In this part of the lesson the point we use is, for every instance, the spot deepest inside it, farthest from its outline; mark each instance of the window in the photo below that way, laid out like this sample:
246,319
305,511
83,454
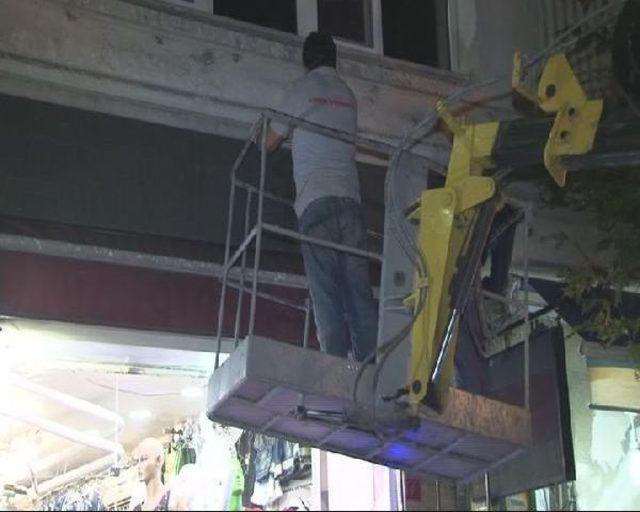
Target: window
346,19
416,31
276,14
354,23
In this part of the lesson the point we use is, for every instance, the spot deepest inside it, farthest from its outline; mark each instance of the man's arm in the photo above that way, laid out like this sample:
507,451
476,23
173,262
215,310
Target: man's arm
273,140
292,104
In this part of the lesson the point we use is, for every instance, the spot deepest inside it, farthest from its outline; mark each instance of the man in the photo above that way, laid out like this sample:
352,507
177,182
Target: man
149,455
328,201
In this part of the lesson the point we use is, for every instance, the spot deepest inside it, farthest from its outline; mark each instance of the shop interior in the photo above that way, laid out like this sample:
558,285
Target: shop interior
82,422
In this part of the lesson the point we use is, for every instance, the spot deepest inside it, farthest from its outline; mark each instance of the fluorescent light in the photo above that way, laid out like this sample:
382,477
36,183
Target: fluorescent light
140,415
192,392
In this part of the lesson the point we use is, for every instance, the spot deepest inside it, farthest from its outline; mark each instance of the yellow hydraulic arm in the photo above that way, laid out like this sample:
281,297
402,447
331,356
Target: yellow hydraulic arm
577,117
449,216
446,217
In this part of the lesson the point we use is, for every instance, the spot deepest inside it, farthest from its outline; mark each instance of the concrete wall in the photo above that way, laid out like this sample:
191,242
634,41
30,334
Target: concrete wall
486,33
193,75
207,74
153,61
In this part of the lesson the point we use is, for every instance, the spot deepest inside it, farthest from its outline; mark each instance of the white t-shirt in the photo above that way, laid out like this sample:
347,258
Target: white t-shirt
322,166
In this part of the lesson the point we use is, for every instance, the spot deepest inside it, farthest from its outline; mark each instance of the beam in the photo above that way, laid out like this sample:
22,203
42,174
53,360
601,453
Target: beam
100,254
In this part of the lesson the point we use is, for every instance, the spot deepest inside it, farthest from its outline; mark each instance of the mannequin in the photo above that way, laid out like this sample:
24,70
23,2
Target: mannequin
149,455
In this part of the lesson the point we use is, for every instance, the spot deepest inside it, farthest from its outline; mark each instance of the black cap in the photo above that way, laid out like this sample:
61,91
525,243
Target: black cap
319,50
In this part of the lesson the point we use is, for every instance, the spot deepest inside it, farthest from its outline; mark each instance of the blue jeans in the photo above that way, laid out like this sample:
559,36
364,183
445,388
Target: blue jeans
338,282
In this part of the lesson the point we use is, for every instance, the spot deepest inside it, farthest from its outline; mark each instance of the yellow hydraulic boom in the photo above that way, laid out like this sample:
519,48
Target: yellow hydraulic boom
454,220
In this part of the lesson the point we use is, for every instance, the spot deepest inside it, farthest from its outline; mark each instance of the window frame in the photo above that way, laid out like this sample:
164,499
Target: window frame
307,21
307,12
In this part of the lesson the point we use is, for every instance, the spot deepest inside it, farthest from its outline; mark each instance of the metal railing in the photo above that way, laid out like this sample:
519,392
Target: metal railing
253,235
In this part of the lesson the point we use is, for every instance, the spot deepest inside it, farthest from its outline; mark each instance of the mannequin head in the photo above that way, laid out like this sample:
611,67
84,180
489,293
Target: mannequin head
149,455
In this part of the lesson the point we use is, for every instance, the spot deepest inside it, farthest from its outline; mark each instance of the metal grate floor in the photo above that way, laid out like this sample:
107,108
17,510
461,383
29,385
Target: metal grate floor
262,384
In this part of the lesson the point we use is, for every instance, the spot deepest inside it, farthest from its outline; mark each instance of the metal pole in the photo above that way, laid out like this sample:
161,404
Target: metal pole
487,490
247,214
500,298
438,504
223,298
240,251
363,142
258,249
527,319
116,434
307,323
319,241
227,248
271,298
267,195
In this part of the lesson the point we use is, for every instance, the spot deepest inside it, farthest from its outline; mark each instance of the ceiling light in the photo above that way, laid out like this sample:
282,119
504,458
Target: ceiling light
140,415
192,392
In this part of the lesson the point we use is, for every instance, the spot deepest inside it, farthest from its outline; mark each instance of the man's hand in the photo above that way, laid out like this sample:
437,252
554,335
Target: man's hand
273,139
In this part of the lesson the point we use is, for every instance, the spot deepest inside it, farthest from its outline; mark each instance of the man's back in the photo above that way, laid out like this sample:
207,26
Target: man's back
328,202
323,166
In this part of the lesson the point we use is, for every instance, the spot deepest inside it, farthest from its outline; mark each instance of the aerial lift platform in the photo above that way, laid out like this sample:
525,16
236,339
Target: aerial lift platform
407,415
307,396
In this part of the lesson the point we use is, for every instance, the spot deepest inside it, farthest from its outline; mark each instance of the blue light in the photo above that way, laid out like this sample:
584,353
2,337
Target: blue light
400,452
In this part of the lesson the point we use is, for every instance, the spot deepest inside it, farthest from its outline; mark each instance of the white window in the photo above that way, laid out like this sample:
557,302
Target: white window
354,23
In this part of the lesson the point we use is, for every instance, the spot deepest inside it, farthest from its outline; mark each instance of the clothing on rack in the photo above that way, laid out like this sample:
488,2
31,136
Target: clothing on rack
246,453
267,464
83,497
236,486
179,452
177,456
